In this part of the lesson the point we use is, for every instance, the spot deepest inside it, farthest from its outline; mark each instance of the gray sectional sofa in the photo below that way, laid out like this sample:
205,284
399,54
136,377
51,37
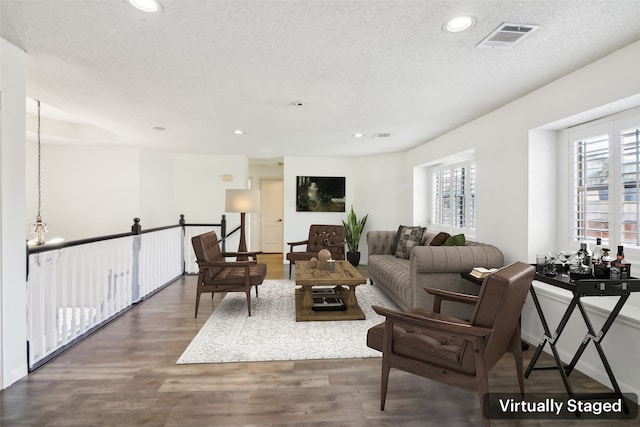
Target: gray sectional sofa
433,266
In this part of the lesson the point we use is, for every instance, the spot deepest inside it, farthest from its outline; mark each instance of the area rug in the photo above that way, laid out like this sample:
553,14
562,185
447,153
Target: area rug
272,333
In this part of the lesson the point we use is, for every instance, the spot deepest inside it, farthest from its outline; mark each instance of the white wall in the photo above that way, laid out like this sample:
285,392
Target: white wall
157,198
381,190
92,191
86,191
13,330
200,190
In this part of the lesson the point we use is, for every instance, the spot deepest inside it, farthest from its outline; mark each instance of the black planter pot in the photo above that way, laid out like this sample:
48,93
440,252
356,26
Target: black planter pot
353,258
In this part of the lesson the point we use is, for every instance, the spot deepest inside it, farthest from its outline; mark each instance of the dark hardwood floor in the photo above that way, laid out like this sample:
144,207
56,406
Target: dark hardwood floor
125,375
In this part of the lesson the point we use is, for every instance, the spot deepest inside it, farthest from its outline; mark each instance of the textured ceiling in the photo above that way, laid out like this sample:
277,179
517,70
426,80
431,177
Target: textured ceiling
107,73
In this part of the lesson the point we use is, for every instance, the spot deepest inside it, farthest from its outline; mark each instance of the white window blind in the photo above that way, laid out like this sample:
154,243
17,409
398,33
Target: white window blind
629,179
453,196
591,189
606,182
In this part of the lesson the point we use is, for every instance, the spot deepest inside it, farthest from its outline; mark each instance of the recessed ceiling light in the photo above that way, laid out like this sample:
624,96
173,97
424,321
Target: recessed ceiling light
459,24
238,132
358,135
150,6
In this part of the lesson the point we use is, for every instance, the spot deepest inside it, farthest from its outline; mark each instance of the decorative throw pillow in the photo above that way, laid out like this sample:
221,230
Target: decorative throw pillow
457,240
440,238
396,240
409,238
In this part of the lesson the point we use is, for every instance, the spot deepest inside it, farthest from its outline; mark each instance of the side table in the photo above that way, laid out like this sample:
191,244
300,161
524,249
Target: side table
581,289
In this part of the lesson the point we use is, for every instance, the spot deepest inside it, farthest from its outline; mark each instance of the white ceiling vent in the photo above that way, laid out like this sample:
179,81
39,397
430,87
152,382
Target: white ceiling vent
382,135
507,35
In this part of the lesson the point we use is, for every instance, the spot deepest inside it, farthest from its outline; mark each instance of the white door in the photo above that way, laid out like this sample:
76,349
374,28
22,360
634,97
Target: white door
271,214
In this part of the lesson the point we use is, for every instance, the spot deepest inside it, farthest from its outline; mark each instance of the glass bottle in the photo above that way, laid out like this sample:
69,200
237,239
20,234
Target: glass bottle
602,270
584,255
597,252
620,269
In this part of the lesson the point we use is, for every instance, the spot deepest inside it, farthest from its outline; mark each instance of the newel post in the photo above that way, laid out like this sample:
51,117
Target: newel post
182,223
223,232
136,228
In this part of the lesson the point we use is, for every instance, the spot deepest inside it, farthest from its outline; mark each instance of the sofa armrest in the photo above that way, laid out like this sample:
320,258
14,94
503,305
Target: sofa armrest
455,259
381,242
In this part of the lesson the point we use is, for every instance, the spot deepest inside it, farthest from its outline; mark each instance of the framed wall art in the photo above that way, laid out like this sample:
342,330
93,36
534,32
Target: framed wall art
320,194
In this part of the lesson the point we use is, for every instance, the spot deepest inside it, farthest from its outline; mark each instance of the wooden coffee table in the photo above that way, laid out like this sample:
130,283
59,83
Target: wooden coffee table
344,274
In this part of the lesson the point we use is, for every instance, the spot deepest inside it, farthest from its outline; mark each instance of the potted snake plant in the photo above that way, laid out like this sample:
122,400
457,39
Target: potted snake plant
353,230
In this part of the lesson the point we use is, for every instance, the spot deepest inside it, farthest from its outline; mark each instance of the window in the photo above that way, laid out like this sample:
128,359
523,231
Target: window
453,197
606,182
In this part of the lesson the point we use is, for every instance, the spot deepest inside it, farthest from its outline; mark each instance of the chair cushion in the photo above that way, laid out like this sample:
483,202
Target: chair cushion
235,275
424,344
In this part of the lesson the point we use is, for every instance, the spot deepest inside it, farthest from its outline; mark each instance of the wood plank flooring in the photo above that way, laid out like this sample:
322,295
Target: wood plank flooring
125,375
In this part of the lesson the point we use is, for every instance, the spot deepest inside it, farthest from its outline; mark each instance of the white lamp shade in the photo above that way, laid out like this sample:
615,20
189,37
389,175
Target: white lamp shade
242,201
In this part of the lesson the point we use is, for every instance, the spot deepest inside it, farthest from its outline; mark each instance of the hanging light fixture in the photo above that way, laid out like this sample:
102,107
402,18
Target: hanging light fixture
39,228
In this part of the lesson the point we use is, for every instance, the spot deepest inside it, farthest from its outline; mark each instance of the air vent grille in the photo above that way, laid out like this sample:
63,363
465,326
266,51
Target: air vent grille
382,135
507,35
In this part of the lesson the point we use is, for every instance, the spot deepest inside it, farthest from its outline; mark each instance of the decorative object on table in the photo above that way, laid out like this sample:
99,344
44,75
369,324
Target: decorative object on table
596,254
320,194
545,265
564,258
323,256
579,272
354,228
242,201
584,255
620,268
481,272
331,265
602,270
313,262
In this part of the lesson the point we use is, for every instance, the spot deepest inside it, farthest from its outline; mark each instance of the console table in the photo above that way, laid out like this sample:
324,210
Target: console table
581,289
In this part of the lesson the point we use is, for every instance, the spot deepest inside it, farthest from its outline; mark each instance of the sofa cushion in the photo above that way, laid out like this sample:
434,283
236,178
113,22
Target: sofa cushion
440,238
409,238
457,240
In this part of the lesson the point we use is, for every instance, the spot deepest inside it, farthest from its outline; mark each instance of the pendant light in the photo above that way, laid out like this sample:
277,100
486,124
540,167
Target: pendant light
39,228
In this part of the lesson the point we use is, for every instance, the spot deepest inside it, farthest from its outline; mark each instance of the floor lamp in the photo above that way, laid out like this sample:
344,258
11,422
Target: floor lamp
242,201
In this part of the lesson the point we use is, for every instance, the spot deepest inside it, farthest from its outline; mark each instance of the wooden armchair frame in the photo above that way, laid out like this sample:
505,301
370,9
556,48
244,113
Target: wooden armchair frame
485,345
216,274
317,230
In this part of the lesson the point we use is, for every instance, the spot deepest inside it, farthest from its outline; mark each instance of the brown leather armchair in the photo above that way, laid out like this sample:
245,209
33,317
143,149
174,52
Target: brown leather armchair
331,237
218,275
453,351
